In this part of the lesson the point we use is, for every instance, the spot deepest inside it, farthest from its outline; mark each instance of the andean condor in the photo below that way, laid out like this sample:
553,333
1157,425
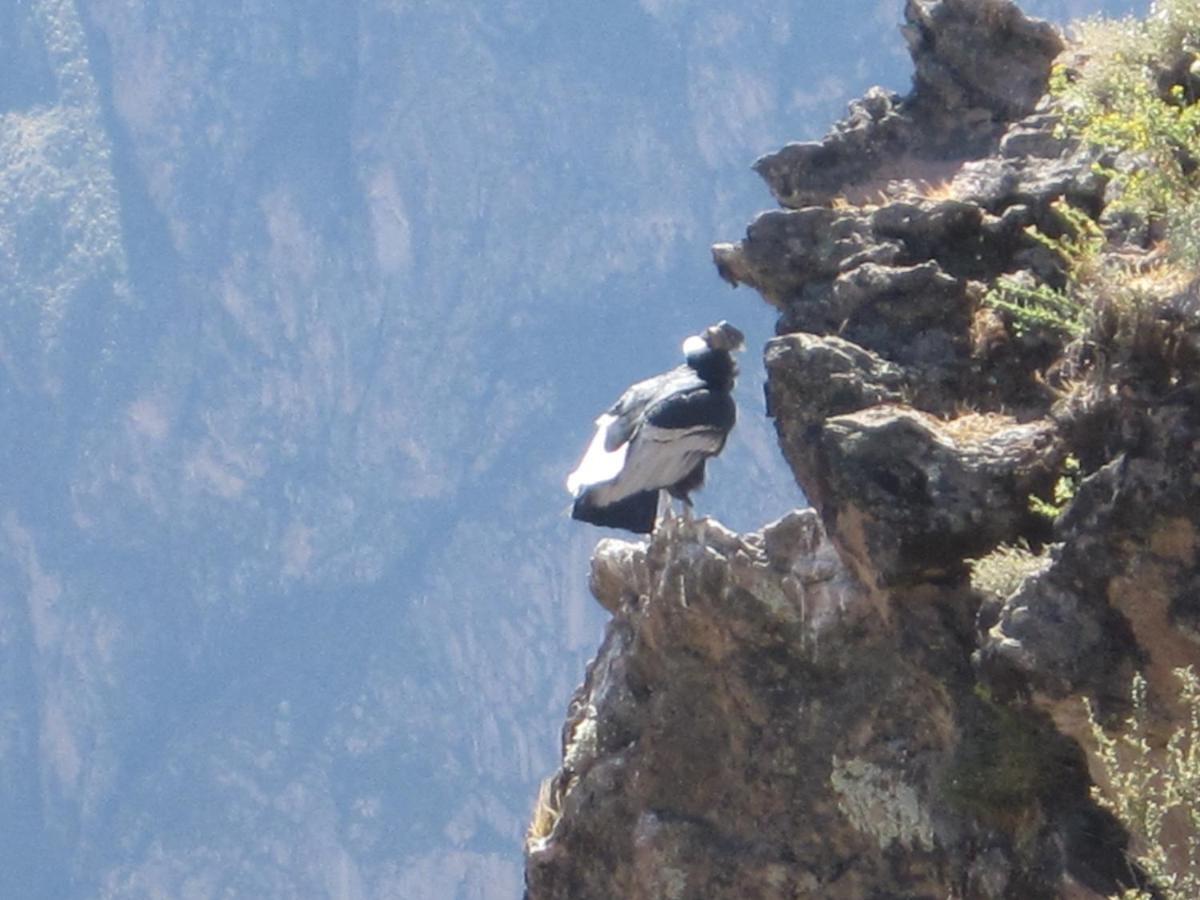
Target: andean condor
659,435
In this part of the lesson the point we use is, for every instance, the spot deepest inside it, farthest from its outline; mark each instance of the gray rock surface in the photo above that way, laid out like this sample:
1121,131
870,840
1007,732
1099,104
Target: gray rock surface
757,724
914,502
979,64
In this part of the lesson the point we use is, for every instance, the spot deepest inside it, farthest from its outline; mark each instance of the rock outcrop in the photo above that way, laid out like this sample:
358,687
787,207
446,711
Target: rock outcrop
831,707
979,66
757,725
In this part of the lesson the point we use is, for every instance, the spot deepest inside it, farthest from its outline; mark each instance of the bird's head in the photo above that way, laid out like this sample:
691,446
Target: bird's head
724,336
721,336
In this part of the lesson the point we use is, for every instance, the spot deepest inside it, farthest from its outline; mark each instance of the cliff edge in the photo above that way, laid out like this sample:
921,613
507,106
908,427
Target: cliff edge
845,704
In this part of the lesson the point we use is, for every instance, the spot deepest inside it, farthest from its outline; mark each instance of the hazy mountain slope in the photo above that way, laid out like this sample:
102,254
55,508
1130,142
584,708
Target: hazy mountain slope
306,311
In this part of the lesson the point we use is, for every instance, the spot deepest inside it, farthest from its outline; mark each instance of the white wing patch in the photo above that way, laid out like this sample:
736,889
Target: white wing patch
598,464
658,458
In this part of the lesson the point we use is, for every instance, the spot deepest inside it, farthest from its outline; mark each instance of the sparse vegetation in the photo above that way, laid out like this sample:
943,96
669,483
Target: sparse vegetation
1064,491
1135,99
1002,571
1011,762
1063,312
1132,95
1153,790
1037,307
546,812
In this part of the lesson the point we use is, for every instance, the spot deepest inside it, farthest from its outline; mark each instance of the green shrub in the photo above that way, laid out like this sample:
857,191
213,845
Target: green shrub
1036,308
1154,792
1064,491
1041,308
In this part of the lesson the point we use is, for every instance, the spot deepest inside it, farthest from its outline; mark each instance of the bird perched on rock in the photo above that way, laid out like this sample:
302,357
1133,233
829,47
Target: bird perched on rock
659,436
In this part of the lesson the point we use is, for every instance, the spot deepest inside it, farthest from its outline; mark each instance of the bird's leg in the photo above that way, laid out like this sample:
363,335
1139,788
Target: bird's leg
664,514
686,510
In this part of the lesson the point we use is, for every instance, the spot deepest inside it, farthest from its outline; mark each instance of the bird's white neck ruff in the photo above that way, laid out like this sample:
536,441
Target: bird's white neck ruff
694,345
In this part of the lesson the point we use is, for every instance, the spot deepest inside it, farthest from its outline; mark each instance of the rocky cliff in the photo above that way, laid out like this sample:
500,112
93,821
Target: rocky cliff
833,707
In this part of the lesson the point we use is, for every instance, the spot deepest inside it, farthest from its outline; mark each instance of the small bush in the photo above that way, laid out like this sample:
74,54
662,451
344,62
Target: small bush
1002,571
1154,792
1040,308
1037,308
1064,491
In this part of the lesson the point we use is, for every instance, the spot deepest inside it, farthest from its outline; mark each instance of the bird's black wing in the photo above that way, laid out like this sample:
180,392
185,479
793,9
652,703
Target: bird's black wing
631,409
694,408
674,435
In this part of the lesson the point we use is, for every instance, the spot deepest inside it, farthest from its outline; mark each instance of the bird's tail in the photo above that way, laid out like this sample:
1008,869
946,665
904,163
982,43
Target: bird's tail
635,513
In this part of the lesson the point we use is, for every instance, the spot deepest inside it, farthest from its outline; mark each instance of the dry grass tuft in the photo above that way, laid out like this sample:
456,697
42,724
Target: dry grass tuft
546,812
1003,570
936,191
972,427
1161,277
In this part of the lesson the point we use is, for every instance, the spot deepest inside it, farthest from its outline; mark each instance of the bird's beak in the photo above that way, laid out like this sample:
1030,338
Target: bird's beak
724,336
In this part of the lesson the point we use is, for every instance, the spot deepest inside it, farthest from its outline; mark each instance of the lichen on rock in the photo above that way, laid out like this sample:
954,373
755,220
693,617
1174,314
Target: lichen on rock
880,804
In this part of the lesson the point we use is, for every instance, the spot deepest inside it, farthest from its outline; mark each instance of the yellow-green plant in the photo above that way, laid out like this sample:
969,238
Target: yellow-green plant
1079,245
1064,491
1118,102
1154,792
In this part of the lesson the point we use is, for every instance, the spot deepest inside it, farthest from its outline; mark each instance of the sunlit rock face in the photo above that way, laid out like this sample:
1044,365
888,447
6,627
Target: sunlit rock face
830,707
885,345
758,722
978,66
696,755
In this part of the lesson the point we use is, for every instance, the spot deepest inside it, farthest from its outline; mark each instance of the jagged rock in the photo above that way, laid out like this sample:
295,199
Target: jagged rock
909,313
755,725
979,55
785,250
997,183
1034,136
908,500
979,64
811,378
610,562
925,226
1121,584
903,494
908,290
809,173
1047,638
835,272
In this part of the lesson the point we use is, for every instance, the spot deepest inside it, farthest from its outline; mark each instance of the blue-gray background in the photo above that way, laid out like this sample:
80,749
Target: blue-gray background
306,310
